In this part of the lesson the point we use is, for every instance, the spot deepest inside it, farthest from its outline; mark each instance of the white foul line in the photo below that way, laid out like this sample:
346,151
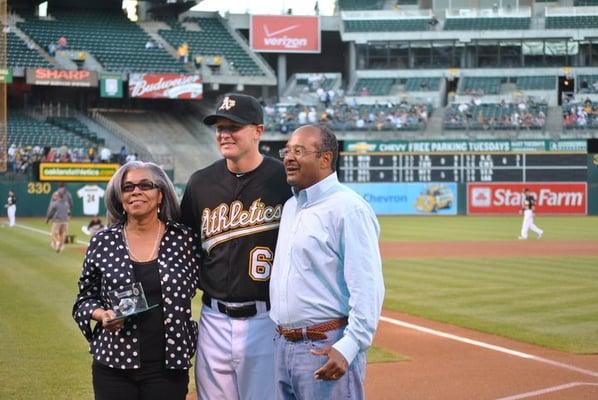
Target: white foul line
489,346
29,228
547,390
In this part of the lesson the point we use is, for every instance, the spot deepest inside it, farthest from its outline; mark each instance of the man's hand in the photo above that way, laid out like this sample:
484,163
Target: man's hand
335,367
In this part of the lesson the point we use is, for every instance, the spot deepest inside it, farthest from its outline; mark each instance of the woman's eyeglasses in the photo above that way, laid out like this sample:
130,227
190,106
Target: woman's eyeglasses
143,186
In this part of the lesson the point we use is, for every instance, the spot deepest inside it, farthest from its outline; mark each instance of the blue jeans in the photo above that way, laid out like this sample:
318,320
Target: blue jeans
295,367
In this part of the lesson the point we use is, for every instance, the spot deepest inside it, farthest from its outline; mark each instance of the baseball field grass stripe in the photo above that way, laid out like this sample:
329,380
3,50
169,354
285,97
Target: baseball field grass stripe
551,301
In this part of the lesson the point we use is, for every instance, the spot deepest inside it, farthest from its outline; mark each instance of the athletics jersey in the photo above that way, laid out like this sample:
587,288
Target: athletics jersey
237,218
528,203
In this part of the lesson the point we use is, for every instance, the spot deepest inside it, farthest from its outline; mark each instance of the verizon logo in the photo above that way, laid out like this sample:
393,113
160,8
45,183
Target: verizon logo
284,41
544,197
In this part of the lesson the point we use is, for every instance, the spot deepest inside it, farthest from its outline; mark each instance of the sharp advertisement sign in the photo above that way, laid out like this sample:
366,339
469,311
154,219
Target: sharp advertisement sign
166,86
58,77
506,198
285,34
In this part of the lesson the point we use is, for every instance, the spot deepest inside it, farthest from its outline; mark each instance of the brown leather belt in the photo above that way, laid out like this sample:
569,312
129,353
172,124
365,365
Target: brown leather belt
314,332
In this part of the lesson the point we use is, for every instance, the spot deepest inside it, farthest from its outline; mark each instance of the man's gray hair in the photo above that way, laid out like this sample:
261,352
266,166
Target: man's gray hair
328,143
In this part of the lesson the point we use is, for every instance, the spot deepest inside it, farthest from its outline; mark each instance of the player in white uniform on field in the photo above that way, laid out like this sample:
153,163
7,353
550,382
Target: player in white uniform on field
527,208
11,208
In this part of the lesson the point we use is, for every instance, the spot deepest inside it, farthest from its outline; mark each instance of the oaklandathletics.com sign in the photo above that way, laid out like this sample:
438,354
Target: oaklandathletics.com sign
285,34
507,198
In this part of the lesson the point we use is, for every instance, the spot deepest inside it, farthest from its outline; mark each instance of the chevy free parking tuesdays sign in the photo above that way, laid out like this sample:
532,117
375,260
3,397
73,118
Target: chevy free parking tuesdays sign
285,34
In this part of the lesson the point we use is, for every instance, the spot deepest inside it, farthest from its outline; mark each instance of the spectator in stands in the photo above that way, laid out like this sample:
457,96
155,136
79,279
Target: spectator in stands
62,43
433,22
12,151
122,155
52,47
183,53
150,45
198,60
105,155
91,154
364,92
131,157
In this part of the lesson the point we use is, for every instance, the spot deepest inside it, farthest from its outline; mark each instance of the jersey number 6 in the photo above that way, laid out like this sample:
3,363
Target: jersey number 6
260,263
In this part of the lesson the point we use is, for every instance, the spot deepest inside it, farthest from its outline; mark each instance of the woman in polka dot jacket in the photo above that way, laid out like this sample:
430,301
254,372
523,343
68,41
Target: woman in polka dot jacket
147,355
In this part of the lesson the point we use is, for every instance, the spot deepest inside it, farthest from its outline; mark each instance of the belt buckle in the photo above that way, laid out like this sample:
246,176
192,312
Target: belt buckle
238,312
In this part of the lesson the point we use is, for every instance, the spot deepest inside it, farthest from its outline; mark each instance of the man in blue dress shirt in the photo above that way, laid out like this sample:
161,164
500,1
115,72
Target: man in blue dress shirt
326,287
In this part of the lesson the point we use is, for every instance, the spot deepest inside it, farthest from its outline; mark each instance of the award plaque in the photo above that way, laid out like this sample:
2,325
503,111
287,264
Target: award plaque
129,300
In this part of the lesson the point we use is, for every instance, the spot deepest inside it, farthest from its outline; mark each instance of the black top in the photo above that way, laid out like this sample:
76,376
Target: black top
150,323
237,218
529,202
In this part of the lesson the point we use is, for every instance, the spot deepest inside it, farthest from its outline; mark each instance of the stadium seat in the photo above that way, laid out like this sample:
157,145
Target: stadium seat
390,25
348,5
19,55
24,130
213,40
572,22
481,24
114,41
374,86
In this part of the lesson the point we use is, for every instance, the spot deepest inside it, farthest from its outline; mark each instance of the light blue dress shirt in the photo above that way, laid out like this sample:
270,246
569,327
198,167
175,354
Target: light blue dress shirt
327,264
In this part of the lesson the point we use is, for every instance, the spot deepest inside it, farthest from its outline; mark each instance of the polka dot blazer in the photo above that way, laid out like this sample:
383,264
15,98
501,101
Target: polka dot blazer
107,267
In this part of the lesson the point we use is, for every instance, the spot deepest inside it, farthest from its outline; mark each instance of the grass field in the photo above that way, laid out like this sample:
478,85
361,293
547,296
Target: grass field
547,300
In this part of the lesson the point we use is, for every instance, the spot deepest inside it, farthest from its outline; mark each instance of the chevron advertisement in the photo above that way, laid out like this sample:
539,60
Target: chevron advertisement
506,198
285,34
409,198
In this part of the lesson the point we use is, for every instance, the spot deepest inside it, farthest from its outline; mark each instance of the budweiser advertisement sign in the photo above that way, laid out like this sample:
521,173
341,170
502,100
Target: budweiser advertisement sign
165,86
506,198
61,77
285,34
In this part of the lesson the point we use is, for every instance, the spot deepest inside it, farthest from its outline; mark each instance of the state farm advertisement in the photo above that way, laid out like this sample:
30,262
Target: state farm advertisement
506,198
166,86
285,34
60,77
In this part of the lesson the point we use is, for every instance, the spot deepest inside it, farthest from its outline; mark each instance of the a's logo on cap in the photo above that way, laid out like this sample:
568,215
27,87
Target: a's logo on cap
227,104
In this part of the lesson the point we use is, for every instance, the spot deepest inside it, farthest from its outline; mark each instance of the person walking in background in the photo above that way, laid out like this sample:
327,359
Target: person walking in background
11,208
327,287
235,205
146,356
528,207
59,213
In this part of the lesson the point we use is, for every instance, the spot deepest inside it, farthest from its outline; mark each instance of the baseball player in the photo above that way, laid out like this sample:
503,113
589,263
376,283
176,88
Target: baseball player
527,208
11,208
235,206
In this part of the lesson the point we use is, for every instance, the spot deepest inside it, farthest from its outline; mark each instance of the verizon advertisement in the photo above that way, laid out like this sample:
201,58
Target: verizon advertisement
285,34
506,198
165,86
59,77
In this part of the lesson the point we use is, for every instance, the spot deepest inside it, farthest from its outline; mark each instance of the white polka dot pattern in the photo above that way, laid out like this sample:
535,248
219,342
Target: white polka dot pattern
103,271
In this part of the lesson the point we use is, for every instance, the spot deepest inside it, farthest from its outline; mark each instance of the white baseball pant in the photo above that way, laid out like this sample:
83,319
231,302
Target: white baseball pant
235,357
528,223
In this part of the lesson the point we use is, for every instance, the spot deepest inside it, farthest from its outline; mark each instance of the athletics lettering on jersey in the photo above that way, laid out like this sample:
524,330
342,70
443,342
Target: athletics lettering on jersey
226,222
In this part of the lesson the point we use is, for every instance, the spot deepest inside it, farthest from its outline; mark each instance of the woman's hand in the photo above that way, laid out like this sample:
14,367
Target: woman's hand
104,317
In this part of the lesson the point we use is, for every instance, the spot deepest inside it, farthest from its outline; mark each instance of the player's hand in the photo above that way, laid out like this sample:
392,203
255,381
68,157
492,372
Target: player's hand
335,367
